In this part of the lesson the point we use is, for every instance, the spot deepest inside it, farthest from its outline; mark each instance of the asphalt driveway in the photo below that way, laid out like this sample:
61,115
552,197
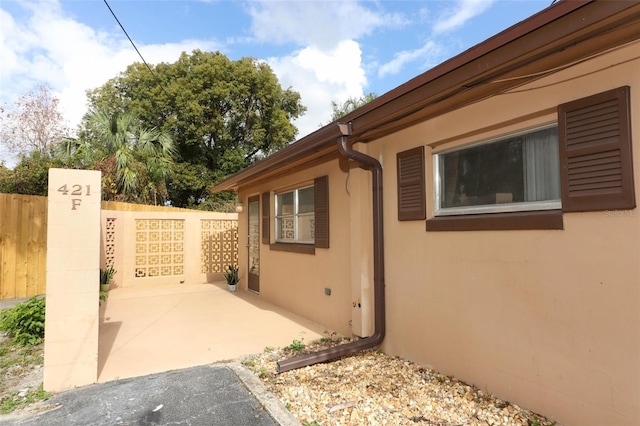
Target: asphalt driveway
211,395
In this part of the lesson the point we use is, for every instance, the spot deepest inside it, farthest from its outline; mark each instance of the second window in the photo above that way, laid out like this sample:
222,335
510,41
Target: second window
295,216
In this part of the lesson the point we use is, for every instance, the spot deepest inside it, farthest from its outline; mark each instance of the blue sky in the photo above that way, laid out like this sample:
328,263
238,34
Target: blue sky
326,50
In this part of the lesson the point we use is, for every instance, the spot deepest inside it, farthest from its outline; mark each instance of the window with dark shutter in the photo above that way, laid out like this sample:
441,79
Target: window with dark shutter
321,205
266,210
411,185
595,152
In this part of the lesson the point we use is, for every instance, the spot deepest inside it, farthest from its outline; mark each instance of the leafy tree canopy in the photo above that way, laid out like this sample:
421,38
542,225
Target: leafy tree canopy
222,115
340,110
30,176
135,161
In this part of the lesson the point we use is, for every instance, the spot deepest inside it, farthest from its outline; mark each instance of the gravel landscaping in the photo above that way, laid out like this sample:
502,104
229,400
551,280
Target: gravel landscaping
373,388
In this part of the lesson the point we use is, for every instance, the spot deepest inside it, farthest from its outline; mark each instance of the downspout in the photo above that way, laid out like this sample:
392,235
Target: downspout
368,163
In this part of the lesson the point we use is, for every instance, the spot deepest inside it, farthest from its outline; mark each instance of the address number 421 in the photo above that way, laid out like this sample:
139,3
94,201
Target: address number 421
75,189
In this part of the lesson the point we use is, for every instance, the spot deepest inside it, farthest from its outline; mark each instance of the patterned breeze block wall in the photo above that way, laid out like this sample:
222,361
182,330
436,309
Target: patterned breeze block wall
110,242
219,239
159,247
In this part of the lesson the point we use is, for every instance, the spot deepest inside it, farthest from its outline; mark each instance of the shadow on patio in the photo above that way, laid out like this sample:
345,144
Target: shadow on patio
150,330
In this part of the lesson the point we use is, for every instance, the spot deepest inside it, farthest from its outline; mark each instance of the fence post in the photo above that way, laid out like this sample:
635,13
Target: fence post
73,256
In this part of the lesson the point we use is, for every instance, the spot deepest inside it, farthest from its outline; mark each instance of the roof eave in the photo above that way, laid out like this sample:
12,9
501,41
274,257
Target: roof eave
457,78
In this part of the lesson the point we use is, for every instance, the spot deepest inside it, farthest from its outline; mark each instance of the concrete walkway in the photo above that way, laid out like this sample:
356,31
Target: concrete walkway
151,330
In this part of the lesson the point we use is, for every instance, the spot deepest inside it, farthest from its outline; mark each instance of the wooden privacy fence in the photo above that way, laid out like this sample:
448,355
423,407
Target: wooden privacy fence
23,245
23,242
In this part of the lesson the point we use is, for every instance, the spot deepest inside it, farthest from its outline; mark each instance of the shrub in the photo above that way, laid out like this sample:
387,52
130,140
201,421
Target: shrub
25,321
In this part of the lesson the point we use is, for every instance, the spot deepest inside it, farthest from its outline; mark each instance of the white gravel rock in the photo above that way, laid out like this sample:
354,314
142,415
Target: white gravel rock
372,388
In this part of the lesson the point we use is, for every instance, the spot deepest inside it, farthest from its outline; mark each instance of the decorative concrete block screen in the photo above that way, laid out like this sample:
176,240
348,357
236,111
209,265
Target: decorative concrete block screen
168,247
110,242
219,239
159,247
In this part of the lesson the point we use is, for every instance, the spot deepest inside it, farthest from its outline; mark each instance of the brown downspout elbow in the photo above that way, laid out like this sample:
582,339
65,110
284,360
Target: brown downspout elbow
374,340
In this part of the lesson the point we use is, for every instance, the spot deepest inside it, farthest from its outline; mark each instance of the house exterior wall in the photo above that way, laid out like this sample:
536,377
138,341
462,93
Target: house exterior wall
297,281
548,319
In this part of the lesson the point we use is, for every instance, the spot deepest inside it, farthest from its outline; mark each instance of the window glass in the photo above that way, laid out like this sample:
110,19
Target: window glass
519,172
295,218
306,227
284,203
305,200
286,229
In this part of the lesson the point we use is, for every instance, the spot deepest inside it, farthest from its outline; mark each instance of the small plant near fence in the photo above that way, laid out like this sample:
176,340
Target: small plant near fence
106,275
25,321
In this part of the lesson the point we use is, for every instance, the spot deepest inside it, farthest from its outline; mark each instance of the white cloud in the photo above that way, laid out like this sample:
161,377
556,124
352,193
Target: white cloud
330,67
462,12
317,23
427,54
321,77
48,47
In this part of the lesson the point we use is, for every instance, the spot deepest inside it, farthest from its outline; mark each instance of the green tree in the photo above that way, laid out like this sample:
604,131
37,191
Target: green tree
223,115
135,161
30,176
351,104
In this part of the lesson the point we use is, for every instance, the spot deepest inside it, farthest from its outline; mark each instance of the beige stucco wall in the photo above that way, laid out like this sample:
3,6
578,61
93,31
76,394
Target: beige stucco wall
297,281
547,319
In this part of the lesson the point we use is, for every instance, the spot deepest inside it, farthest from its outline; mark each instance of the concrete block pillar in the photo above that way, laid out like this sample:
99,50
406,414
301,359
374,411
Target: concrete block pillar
72,299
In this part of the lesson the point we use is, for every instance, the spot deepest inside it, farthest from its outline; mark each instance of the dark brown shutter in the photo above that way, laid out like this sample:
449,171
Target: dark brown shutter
411,187
266,222
321,203
595,152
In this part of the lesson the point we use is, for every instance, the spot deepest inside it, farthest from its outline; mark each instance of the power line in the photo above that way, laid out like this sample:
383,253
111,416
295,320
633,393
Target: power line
134,46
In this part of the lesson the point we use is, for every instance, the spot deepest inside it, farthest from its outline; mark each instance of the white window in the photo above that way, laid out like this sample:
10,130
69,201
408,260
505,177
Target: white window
295,216
513,173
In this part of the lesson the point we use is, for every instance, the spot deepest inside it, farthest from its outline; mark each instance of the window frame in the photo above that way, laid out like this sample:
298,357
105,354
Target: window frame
296,215
517,207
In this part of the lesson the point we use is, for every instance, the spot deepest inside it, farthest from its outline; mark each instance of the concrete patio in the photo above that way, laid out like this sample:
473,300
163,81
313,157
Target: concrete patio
149,330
